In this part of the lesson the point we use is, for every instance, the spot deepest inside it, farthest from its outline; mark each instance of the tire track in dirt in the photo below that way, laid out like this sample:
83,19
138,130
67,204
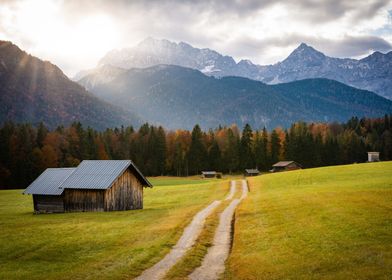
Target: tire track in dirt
232,191
186,241
213,264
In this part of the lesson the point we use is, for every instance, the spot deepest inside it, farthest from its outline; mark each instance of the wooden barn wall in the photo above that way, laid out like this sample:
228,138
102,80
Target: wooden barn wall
48,203
126,193
83,200
292,166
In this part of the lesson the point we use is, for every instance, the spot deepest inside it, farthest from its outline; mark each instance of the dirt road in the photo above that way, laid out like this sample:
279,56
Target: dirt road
213,264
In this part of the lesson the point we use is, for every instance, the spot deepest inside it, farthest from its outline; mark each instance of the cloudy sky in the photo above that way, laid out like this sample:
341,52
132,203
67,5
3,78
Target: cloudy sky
74,34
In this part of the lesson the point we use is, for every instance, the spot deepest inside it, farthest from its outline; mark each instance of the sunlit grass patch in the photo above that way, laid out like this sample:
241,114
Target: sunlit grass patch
96,245
323,223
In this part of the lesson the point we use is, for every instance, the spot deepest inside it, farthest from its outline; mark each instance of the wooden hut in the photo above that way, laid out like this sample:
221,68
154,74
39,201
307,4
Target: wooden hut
95,185
251,172
285,166
209,174
373,156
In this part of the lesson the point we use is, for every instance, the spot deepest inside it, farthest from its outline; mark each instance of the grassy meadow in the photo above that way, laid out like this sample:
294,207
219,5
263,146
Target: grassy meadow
171,181
322,223
100,245
174,181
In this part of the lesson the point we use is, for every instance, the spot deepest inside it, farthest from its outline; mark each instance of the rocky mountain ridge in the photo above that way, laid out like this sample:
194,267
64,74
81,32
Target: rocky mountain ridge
372,73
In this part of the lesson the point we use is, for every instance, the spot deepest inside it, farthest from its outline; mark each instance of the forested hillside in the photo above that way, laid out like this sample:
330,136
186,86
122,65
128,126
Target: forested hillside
34,91
25,151
177,97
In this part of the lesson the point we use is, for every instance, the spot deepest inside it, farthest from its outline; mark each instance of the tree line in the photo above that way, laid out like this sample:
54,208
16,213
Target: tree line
27,150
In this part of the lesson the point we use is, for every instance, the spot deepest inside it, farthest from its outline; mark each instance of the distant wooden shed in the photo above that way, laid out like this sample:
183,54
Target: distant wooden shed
373,156
285,166
209,174
95,185
251,172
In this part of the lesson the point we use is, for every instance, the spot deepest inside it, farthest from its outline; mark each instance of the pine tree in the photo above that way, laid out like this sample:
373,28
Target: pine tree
330,154
287,149
260,150
300,145
386,145
387,123
275,147
353,149
197,152
231,155
42,131
37,160
246,153
317,150
22,146
214,156
266,159
91,147
6,135
160,153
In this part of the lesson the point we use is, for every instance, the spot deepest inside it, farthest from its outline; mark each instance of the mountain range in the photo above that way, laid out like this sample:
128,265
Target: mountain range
32,90
179,97
373,73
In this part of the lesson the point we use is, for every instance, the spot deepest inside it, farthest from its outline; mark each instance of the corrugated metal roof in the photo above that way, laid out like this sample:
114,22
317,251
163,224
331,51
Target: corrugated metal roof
282,163
99,174
49,181
208,172
90,174
252,171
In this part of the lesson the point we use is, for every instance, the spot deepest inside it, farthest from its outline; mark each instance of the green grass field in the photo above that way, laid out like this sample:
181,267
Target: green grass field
174,181
323,223
101,245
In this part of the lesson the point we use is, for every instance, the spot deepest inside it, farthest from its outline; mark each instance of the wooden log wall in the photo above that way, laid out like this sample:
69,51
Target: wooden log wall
292,166
48,203
126,193
83,200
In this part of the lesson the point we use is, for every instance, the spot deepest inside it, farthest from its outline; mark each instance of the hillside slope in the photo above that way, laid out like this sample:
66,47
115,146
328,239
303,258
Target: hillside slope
313,225
178,97
32,90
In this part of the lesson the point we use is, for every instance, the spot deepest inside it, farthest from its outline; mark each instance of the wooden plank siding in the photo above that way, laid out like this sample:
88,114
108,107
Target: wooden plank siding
83,200
126,193
48,203
292,166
